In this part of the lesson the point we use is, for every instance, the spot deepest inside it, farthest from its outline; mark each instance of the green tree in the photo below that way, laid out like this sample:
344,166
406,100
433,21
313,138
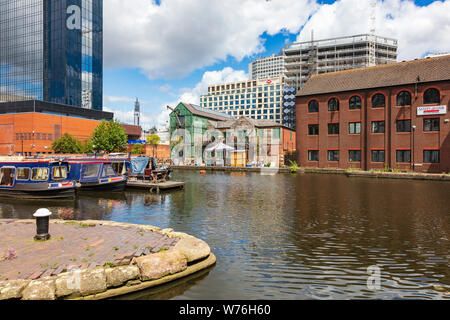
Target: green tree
109,137
154,140
86,146
137,149
67,144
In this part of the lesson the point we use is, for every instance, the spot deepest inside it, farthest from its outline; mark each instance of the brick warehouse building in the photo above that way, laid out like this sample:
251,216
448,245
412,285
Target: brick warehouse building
30,127
394,115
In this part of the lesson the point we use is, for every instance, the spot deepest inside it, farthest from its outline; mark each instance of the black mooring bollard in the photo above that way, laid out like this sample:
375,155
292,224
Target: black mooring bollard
42,222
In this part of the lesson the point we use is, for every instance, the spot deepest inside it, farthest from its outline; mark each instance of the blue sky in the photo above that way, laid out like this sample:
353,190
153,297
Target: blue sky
142,76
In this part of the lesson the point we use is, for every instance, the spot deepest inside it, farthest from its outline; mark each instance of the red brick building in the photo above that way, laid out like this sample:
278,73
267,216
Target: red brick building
394,115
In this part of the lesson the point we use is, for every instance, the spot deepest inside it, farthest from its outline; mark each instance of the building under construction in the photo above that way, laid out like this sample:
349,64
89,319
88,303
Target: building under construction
304,59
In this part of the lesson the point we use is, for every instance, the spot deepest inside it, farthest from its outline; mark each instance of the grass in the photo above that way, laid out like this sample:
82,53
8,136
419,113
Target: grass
293,166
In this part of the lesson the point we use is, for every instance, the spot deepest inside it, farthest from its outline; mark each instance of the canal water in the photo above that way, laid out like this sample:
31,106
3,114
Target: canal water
284,236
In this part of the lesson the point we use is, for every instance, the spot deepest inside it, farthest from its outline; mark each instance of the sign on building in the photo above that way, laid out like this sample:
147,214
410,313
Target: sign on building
424,111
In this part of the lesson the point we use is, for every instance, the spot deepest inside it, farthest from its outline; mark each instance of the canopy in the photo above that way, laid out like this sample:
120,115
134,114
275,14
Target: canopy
218,146
138,164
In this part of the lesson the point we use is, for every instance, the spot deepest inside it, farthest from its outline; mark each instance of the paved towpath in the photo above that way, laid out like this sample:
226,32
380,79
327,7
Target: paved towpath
72,245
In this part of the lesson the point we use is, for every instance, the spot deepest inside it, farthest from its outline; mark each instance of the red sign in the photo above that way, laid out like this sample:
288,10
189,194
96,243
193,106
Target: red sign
269,81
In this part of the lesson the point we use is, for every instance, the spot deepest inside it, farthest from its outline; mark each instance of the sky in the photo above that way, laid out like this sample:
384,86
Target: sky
166,51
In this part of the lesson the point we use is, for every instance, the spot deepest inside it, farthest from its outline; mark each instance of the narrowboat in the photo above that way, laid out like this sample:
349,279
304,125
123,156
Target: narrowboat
35,179
95,175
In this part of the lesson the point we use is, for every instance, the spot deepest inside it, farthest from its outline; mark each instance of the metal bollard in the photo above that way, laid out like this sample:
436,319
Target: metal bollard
42,221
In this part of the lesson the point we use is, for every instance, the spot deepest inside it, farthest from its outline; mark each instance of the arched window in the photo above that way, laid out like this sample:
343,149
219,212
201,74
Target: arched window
354,103
404,98
313,106
431,95
378,101
333,104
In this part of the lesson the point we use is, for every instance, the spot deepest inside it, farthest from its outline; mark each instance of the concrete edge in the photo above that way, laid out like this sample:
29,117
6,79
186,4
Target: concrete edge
348,173
119,291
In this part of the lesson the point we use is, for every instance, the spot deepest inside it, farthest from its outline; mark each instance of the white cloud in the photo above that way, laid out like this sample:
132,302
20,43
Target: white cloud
160,116
417,29
115,99
179,36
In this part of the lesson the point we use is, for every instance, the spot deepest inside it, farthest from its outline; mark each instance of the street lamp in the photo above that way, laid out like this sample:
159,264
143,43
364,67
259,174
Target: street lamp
413,134
95,152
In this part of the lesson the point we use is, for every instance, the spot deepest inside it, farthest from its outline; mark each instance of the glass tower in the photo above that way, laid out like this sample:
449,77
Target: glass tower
52,50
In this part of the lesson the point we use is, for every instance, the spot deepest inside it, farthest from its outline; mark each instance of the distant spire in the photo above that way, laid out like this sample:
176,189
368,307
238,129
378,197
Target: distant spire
137,112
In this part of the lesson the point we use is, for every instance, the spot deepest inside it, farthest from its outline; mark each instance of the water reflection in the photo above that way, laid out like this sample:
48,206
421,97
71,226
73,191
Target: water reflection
294,236
170,290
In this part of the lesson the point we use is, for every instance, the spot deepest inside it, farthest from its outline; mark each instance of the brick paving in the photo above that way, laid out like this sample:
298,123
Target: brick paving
71,245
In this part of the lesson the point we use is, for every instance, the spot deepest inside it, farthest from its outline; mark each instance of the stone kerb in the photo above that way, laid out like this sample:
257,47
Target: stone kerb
140,273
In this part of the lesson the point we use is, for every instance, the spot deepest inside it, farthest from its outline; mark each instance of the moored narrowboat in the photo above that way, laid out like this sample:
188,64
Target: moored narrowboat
35,179
95,175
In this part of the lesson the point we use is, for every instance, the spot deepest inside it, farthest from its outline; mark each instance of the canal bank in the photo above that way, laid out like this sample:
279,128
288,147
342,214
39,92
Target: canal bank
94,259
347,172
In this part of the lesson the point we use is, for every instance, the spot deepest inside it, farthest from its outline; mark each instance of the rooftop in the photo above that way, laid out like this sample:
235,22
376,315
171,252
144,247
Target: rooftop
39,106
211,114
387,75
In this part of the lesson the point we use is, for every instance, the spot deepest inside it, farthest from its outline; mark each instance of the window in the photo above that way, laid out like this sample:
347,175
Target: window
431,156
333,155
333,128
431,95
404,98
276,133
378,126
23,173
59,173
313,129
354,103
7,177
404,125
108,171
39,174
313,106
378,101
377,155
313,155
354,128
91,170
333,104
431,124
403,155
354,155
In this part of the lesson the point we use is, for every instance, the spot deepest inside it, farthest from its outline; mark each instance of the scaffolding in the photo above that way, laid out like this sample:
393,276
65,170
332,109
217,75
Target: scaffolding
304,59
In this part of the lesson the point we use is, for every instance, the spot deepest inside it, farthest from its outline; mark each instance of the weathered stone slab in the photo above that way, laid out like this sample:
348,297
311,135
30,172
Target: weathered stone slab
119,275
92,281
42,289
158,265
68,283
12,289
193,248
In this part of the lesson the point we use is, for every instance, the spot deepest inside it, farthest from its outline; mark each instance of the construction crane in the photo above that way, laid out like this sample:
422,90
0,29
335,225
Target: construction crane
176,116
372,37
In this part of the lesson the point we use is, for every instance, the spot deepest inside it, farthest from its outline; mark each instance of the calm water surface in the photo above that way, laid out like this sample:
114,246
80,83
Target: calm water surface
291,236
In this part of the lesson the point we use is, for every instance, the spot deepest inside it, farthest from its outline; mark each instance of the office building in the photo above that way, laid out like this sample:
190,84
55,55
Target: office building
391,116
305,59
266,68
256,99
51,50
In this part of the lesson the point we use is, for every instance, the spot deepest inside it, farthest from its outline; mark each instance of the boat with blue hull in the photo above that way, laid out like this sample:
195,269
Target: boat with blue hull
95,175
35,179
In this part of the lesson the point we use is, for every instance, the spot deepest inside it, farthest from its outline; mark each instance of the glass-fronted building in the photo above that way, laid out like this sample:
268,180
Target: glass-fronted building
52,50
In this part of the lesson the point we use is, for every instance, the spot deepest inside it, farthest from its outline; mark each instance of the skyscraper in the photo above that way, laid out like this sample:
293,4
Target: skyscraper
52,50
